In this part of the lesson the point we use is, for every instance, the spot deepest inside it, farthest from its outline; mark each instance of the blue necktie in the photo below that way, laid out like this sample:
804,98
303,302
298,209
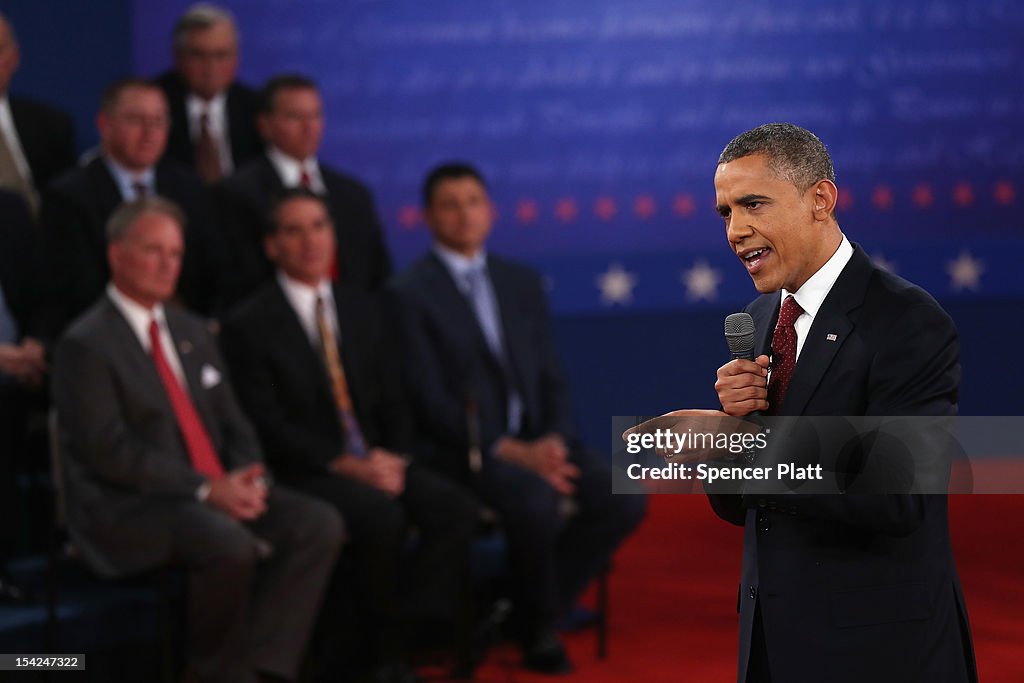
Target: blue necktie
485,306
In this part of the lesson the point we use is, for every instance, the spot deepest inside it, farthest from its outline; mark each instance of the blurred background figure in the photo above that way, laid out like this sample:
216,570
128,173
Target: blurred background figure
319,372
23,367
36,140
292,124
133,123
213,116
179,480
480,357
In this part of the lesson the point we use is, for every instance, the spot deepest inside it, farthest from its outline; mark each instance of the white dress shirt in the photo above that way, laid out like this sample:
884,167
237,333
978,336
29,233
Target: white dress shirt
812,293
289,170
302,299
217,123
126,180
139,317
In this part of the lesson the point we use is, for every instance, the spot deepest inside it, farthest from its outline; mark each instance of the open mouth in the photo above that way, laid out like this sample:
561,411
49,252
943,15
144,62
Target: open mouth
755,258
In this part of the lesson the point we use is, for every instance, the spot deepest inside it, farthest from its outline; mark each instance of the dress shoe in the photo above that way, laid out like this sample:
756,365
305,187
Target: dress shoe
546,655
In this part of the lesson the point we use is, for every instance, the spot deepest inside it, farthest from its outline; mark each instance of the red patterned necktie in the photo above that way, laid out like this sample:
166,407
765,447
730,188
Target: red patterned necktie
783,354
304,178
197,441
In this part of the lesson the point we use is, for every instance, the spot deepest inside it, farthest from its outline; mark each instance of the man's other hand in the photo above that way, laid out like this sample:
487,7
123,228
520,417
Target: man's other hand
241,493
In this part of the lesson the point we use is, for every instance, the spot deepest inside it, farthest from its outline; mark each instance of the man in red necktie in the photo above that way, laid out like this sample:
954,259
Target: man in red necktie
845,587
164,469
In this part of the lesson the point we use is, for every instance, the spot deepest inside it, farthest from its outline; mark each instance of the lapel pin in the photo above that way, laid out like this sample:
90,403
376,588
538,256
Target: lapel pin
185,347
831,336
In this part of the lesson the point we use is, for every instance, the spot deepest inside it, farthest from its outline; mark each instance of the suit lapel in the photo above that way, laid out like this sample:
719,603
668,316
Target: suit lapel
352,344
302,356
191,364
130,349
516,338
829,331
452,300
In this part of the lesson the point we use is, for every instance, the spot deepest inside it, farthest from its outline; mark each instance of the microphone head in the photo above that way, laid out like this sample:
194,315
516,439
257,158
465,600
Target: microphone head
739,335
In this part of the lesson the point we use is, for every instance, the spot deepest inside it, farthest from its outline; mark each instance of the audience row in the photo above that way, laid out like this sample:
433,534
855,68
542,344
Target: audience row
332,406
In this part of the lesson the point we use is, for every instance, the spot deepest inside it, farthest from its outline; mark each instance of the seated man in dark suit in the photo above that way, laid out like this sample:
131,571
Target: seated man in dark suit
317,372
213,117
36,141
479,348
163,467
23,365
292,122
133,127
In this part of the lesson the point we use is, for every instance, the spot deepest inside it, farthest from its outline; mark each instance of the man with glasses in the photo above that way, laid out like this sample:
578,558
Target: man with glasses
213,117
133,123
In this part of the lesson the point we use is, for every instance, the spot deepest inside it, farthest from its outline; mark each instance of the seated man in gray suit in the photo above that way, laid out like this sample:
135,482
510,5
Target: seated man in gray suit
163,468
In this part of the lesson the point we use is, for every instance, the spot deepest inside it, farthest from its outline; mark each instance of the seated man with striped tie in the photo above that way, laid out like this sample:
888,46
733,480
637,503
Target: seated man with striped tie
316,371
163,468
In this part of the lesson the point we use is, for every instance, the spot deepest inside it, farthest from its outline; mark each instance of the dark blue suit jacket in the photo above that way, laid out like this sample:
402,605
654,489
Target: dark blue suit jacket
858,587
450,363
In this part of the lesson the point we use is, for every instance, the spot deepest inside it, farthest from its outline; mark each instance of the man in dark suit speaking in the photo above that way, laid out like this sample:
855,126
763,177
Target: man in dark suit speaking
163,467
838,588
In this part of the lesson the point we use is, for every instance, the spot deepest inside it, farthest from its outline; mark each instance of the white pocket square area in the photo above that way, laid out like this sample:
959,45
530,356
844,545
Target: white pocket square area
209,376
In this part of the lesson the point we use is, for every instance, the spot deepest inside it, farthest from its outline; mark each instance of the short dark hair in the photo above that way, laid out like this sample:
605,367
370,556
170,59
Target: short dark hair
794,153
449,170
126,214
112,93
283,82
271,222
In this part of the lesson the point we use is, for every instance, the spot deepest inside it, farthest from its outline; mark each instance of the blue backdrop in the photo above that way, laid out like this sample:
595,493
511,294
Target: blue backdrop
599,123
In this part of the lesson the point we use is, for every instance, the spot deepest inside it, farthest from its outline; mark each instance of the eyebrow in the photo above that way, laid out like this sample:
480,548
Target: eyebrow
723,209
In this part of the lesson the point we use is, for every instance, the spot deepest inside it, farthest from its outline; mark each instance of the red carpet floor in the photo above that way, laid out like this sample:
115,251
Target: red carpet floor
673,596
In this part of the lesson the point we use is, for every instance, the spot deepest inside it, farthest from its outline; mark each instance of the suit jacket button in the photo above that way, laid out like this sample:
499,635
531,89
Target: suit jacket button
752,592
763,523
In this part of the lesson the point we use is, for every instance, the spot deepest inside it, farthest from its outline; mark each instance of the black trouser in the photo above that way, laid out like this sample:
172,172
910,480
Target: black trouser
386,586
552,557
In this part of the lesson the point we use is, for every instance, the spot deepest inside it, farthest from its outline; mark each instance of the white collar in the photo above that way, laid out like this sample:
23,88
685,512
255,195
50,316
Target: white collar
214,107
127,179
302,298
290,169
459,265
137,315
812,293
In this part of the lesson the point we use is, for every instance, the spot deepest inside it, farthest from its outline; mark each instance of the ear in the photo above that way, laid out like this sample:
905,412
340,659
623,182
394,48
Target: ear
826,194
113,253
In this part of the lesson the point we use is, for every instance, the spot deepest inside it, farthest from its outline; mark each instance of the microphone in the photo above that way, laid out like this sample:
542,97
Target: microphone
739,335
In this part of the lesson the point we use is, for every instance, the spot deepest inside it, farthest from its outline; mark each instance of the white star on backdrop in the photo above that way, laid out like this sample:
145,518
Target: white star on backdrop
884,263
965,272
701,281
616,285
